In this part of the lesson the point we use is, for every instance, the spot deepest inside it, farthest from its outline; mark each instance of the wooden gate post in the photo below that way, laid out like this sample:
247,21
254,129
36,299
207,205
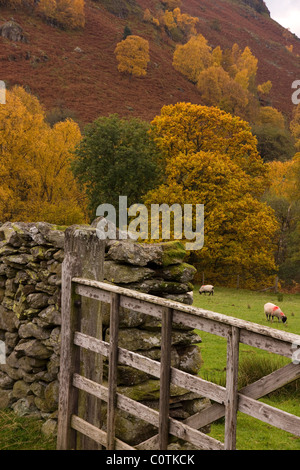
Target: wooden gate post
113,370
231,404
165,378
84,257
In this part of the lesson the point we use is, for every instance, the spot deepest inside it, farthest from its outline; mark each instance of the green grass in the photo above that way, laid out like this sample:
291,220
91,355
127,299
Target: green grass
252,434
22,433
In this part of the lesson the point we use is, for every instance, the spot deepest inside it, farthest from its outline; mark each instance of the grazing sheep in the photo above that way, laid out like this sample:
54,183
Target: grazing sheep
272,310
208,288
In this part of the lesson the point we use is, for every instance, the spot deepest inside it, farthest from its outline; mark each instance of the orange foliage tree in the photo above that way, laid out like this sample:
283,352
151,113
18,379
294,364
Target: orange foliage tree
133,55
193,57
211,158
68,14
36,182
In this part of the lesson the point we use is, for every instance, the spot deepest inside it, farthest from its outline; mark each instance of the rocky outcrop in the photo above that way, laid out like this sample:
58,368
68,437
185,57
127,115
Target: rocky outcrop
12,31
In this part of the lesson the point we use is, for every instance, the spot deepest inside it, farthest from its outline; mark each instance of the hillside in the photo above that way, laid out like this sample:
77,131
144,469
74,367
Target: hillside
77,70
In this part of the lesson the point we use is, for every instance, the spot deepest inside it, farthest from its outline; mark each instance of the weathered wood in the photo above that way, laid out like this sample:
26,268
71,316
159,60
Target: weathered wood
180,309
92,293
141,411
231,404
182,379
206,416
236,330
256,390
96,434
266,342
269,414
84,254
273,381
165,376
112,372
68,396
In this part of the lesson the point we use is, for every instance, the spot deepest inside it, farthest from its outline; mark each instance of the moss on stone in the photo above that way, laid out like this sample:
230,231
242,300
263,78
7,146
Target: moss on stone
173,253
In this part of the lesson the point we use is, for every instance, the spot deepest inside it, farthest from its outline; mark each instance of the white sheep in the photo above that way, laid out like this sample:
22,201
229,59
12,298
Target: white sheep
207,288
272,310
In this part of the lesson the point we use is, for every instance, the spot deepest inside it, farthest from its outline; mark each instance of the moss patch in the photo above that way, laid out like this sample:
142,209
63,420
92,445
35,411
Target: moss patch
173,253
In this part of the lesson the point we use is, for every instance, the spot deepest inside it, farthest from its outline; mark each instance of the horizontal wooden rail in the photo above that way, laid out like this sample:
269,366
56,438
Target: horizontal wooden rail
246,404
141,411
252,334
183,379
96,434
256,390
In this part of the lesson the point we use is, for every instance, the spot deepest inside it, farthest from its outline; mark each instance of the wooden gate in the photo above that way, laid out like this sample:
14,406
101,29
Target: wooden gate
226,401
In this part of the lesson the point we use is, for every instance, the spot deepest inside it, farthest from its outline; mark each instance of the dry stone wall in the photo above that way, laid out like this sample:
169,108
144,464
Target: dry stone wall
31,256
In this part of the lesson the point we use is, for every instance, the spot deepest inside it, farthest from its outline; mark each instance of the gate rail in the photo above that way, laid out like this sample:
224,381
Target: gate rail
227,400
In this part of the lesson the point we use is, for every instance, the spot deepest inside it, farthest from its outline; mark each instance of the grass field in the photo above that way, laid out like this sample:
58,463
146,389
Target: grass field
252,434
22,433
25,434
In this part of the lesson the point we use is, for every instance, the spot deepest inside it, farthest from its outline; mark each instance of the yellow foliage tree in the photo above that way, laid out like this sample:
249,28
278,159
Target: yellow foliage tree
193,57
264,88
217,55
244,67
66,13
295,126
271,116
36,182
238,229
189,128
133,55
283,178
186,23
219,89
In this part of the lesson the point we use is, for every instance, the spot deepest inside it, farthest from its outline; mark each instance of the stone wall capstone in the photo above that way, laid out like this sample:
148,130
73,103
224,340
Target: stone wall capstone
31,256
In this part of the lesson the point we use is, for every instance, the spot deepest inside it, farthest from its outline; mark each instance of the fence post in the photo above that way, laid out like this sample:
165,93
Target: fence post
231,403
84,257
68,395
113,371
165,378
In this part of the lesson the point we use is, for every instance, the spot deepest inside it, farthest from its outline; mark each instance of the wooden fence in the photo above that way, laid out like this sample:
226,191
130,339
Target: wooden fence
225,401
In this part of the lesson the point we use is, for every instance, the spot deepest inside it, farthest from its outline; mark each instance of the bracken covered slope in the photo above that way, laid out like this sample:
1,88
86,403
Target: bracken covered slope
78,70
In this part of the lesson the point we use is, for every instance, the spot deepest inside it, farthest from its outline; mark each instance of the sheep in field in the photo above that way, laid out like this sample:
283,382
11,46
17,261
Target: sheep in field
272,310
208,288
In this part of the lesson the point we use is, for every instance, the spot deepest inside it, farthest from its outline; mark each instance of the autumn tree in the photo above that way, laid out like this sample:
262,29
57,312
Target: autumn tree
67,14
36,182
211,159
295,126
271,116
275,142
188,128
244,67
193,57
283,196
133,55
264,89
217,88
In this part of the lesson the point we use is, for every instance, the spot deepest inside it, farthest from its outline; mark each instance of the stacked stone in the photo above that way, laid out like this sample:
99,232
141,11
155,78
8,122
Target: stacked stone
31,256
30,278
160,270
